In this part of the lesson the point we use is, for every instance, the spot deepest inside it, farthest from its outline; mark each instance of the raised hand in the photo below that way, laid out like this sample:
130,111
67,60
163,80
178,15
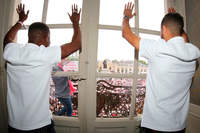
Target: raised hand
171,10
128,10
21,12
75,17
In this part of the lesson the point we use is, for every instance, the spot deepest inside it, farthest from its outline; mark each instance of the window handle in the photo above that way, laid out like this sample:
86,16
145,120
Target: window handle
77,79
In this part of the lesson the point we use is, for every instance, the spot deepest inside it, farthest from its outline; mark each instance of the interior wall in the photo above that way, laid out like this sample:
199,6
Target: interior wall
193,30
3,109
6,15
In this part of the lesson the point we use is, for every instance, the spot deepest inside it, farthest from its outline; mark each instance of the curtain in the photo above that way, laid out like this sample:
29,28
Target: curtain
7,9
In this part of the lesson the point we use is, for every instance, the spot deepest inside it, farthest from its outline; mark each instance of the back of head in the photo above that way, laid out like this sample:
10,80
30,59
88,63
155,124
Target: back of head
174,22
38,32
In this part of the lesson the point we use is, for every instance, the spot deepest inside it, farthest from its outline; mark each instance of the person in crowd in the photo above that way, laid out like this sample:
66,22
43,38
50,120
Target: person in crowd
171,66
62,91
29,70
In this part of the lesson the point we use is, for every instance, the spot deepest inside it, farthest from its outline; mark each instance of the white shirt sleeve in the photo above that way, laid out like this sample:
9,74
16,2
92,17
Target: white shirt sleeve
148,48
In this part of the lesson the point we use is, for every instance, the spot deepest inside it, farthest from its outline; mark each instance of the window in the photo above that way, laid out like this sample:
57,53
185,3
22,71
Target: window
120,55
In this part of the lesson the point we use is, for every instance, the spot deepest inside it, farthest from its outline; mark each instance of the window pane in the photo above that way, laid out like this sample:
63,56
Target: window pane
140,96
111,12
58,104
115,54
113,97
143,62
150,18
60,37
22,36
36,8
57,11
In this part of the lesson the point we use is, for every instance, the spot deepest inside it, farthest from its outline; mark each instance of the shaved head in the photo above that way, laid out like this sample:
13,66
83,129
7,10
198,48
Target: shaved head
174,22
38,33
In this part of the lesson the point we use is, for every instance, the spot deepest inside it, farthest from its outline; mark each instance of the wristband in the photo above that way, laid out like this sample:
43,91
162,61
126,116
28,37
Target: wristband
20,22
126,17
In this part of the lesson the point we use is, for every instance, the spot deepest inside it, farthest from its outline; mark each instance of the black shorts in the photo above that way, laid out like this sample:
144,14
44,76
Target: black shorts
46,129
147,130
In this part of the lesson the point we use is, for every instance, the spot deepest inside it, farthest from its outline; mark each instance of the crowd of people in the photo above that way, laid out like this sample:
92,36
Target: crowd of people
117,102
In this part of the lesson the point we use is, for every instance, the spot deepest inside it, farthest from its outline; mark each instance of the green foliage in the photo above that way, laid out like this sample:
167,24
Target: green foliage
73,58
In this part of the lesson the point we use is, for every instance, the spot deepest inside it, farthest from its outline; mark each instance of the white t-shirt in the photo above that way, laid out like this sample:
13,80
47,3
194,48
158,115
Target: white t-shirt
171,66
28,79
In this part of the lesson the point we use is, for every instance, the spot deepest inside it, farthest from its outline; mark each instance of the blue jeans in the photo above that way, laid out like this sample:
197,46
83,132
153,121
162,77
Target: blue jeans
67,103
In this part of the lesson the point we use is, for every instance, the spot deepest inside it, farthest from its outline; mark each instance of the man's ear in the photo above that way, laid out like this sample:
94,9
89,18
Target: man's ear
47,41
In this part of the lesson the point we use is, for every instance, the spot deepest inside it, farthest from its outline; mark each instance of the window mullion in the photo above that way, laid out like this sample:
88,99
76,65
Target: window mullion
133,96
44,13
60,26
147,31
137,17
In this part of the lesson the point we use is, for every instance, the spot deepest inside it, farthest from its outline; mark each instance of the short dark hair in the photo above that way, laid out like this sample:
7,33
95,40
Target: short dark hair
38,30
174,22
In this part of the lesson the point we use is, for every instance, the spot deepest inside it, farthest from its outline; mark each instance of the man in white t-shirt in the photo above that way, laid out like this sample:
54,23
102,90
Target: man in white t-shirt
28,73
171,66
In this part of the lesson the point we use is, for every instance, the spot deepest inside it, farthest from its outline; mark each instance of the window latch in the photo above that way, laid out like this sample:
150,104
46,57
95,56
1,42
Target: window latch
77,79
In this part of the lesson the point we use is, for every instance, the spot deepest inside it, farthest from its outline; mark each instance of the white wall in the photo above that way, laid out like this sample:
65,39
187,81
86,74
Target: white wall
193,30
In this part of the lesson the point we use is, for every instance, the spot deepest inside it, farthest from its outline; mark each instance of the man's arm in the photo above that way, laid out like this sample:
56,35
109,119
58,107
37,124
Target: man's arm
75,45
131,37
185,36
10,36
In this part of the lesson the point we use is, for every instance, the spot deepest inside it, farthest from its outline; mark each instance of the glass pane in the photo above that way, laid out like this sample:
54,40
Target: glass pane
68,104
140,96
115,54
36,8
143,63
150,18
111,12
22,36
60,37
113,97
57,11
